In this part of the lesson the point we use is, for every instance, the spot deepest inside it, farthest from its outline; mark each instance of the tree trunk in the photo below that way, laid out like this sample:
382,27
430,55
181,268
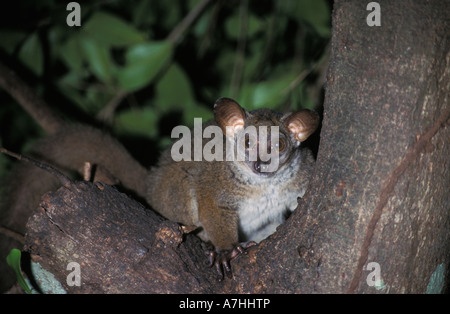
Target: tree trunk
376,218
381,189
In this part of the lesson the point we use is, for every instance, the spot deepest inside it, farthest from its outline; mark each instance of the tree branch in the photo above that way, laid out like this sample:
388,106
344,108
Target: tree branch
180,29
30,101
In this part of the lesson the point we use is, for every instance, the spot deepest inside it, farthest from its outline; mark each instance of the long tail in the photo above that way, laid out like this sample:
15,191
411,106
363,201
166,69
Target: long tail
67,149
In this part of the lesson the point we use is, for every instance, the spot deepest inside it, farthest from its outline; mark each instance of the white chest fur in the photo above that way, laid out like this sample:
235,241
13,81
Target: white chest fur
260,214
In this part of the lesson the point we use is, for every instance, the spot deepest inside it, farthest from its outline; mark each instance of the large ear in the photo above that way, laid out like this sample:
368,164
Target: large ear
229,115
302,123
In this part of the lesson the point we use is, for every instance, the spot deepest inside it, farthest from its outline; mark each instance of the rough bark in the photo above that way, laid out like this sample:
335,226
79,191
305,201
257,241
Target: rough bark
380,192
121,246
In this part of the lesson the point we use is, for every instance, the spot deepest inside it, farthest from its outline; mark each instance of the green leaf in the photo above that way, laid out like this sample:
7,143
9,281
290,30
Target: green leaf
233,26
111,30
197,111
72,86
31,54
254,25
201,26
174,90
143,62
268,94
316,13
95,98
13,260
98,58
138,122
71,53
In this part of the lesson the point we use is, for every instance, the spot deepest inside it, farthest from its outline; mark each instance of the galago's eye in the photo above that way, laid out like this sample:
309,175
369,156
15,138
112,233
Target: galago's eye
280,146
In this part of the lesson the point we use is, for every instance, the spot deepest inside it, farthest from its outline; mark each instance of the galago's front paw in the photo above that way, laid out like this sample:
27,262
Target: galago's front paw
221,260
